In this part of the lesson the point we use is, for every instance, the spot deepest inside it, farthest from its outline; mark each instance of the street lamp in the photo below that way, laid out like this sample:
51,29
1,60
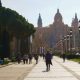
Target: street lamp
79,25
31,44
79,35
62,51
65,43
70,31
70,40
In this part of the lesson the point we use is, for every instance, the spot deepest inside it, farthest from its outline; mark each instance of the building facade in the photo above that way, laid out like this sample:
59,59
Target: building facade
57,35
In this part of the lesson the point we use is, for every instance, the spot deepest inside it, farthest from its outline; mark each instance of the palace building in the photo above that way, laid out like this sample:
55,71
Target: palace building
49,36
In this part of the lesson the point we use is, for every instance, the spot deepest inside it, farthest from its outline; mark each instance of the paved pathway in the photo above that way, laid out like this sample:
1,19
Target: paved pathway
59,71
15,71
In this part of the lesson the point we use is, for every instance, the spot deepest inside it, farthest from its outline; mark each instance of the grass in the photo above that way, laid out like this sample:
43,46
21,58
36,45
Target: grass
76,60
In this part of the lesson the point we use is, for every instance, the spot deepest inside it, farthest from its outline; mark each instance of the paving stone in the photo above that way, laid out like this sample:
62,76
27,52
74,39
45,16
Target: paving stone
59,71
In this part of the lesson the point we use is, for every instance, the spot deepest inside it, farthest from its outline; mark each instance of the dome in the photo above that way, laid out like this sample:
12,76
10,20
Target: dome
58,16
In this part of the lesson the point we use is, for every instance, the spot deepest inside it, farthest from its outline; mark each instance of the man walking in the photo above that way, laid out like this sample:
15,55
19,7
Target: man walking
48,58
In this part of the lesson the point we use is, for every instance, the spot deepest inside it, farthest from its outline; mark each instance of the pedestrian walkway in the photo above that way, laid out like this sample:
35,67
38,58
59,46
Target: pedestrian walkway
5,65
15,71
59,71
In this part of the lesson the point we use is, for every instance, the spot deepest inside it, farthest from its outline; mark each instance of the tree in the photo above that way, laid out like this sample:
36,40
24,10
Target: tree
14,25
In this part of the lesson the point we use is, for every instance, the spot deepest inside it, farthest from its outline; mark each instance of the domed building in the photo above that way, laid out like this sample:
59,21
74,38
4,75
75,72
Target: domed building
58,28
50,35
58,17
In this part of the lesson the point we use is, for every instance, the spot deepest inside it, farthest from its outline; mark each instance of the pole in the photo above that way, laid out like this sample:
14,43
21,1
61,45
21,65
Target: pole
79,36
70,40
67,42
30,44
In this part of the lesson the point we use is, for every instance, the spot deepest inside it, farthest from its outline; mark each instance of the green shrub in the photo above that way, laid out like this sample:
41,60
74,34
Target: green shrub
13,59
6,61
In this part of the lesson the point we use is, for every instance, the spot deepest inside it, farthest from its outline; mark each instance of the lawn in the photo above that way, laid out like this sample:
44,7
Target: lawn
76,60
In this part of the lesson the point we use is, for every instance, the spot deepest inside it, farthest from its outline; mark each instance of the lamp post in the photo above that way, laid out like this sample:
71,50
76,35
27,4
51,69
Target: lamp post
79,35
62,50
70,40
65,43
30,44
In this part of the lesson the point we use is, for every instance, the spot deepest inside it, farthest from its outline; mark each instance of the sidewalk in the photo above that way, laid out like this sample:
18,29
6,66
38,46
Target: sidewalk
59,71
5,65
15,71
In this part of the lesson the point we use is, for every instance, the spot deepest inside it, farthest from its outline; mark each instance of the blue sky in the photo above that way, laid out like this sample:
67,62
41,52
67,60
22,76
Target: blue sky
30,9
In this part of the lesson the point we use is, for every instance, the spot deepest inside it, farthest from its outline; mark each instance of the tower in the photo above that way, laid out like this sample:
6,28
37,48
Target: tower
39,23
75,21
75,31
0,4
58,17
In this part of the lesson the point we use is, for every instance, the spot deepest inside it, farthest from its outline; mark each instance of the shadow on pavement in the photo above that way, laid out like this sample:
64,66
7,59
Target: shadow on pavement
44,71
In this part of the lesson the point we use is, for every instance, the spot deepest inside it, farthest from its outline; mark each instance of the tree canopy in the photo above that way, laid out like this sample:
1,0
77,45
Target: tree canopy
13,22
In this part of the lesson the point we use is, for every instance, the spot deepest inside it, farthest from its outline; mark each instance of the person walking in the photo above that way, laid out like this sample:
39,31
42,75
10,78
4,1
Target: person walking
63,56
48,61
30,58
36,58
18,57
25,58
